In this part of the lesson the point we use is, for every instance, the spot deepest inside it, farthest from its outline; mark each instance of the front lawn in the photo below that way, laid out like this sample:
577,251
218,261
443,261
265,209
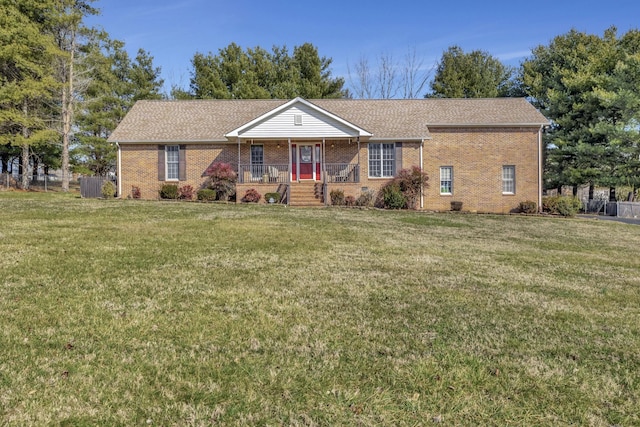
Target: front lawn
165,313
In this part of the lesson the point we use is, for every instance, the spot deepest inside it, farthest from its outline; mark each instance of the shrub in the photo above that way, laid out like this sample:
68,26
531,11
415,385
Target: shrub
404,190
561,205
185,192
456,206
274,196
410,181
350,201
108,190
366,198
222,179
392,197
529,207
206,195
169,191
252,196
337,197
135,192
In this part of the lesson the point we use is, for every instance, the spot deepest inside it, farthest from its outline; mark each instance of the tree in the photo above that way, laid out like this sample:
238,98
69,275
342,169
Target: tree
257,74
69,32
116,84
25,73
470,75
585,85
390,77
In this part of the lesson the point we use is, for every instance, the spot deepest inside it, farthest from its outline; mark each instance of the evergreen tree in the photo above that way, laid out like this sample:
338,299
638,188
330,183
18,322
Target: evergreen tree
470,75
26,77
258,74
585,85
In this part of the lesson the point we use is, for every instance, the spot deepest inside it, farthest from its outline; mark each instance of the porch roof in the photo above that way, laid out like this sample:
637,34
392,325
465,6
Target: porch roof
212,120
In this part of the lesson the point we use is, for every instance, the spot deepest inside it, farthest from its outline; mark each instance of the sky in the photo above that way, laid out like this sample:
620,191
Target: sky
172,31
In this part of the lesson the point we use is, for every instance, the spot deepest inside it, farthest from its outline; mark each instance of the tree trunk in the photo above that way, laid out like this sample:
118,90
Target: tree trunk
591,188
25,150
34,172
67,115
612,194
4,163
25,167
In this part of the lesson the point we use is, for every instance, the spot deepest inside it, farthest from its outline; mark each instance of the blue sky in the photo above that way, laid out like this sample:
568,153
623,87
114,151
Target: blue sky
172,31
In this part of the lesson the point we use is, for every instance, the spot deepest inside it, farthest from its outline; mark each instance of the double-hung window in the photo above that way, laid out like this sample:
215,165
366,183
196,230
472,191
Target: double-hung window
381,160
446,180
508,179
172,159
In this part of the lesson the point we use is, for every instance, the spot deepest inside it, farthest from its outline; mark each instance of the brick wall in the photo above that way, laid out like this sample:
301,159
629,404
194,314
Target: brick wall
476,155
139,166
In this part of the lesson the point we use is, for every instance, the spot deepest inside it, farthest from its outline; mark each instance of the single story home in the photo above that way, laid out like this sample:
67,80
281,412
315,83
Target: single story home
485,153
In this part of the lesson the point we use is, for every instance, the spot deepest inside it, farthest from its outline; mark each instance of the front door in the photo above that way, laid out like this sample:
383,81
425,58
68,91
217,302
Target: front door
306,161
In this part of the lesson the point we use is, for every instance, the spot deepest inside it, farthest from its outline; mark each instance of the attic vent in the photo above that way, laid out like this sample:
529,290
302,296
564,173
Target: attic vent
297,119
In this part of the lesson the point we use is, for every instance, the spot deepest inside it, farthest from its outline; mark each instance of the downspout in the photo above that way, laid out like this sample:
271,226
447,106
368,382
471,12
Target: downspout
540,172
119,170
422,169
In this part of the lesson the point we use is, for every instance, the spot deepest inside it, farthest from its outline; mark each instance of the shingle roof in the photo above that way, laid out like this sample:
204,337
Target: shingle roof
210,120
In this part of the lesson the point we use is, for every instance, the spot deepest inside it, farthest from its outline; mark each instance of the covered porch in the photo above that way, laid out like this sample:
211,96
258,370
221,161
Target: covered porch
301,146
308,167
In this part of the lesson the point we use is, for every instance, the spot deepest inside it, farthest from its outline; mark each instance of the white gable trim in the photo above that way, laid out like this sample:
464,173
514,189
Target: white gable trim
357,131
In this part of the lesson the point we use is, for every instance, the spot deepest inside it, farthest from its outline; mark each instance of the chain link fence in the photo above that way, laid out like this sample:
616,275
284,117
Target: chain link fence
39,183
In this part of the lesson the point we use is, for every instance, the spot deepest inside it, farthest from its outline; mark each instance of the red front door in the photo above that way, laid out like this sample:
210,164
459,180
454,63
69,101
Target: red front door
306,161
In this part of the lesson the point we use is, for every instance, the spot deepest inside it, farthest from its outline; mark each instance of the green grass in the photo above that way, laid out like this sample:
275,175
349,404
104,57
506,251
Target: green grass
166,313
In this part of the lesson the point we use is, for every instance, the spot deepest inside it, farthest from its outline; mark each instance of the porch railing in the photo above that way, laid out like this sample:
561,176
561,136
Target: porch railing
263,174
343,172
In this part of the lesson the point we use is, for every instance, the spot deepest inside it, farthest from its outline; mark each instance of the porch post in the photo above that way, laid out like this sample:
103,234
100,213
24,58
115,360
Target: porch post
359,166
290,172
239,178
421,170
324,172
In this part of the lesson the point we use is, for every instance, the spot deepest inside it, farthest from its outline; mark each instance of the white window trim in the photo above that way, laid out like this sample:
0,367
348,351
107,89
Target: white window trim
166,162
393,168
444,193
513,180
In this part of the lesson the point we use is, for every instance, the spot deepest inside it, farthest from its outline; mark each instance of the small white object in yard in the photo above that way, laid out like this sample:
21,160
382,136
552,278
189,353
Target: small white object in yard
437,419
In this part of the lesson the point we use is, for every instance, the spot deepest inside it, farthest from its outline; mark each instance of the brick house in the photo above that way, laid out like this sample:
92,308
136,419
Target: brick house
486,153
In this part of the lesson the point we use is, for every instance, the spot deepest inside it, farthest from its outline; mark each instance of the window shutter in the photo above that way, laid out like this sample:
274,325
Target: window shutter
182,163
161,163
398,154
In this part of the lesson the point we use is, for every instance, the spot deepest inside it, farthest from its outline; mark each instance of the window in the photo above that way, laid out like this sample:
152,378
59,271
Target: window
508,179
381,160
172,159
257,161
446,180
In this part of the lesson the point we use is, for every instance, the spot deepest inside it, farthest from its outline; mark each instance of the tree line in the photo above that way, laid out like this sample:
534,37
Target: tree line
66,86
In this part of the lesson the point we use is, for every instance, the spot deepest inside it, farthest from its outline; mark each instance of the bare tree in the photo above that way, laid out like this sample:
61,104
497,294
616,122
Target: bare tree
390,78
363,85
414,75
387,78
